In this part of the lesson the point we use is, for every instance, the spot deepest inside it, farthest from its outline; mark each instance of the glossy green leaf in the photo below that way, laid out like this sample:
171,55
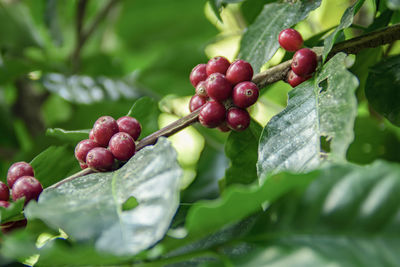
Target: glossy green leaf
85,89
241,148
382,88
146,111
260,41
345,22
151,177
54,164
13,212
320,109
69,136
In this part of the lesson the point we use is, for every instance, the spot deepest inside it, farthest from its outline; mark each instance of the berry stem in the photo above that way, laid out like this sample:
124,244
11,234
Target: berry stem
269,76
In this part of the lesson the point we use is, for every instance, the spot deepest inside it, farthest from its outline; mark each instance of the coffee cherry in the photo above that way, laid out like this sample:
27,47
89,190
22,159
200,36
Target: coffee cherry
18,170
239,71
103,129
8,227
91,137
82,148
304,62
130,126
238,119
223,127
100,159
217,65
4,204
83,165
212,114
198,74
294,79
218,87
4,192
201,89
245,94
28,187
122,146
290,40
196,102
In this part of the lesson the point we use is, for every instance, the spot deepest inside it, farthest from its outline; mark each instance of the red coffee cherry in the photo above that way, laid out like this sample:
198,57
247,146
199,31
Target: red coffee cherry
217,65
82,148
103,129
122,146
245,94
294,79
28,187
304,62
4,192
239,71
218,87
4,204
91,137
130,126
223,127
290,40
100,159
196,102
8,227
198,74
212,114
201,89
238,119
83,165
18,170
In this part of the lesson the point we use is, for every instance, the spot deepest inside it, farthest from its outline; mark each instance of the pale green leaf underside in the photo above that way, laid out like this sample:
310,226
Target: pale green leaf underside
90,208
325,106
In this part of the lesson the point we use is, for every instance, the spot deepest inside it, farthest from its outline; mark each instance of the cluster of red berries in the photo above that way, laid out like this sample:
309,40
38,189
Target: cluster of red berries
304,61
223,92
21,180
109,139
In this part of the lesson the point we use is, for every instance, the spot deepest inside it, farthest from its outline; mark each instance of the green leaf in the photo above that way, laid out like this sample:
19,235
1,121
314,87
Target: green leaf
241,148
345,22
54,164
260,41
393,4
317,110
86,90
146,111
382,88
90,208
66,135
13,212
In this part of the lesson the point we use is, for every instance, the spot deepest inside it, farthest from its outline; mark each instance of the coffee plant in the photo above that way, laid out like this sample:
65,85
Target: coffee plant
200,133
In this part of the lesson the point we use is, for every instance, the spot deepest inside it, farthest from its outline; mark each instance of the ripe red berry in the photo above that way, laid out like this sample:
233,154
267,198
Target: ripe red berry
11,226
223,127
18,170
122,146
290,40
82,148
218,87
201,89
239,71
304,62
217,64
100,159
294,79
83,165
130,126
91,137
28,187
196,102
198,74
4,192
4,204
238,119
103,129
245,94
212,114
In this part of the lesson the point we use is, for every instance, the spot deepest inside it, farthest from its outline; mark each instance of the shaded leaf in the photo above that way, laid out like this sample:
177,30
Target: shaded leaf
393,4
146,111
151,177
13,212
317,110
260,41
345,22
241,148
382,88
54,164
66,135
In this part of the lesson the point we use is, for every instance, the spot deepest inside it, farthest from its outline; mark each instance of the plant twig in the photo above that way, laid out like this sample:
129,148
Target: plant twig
274,74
